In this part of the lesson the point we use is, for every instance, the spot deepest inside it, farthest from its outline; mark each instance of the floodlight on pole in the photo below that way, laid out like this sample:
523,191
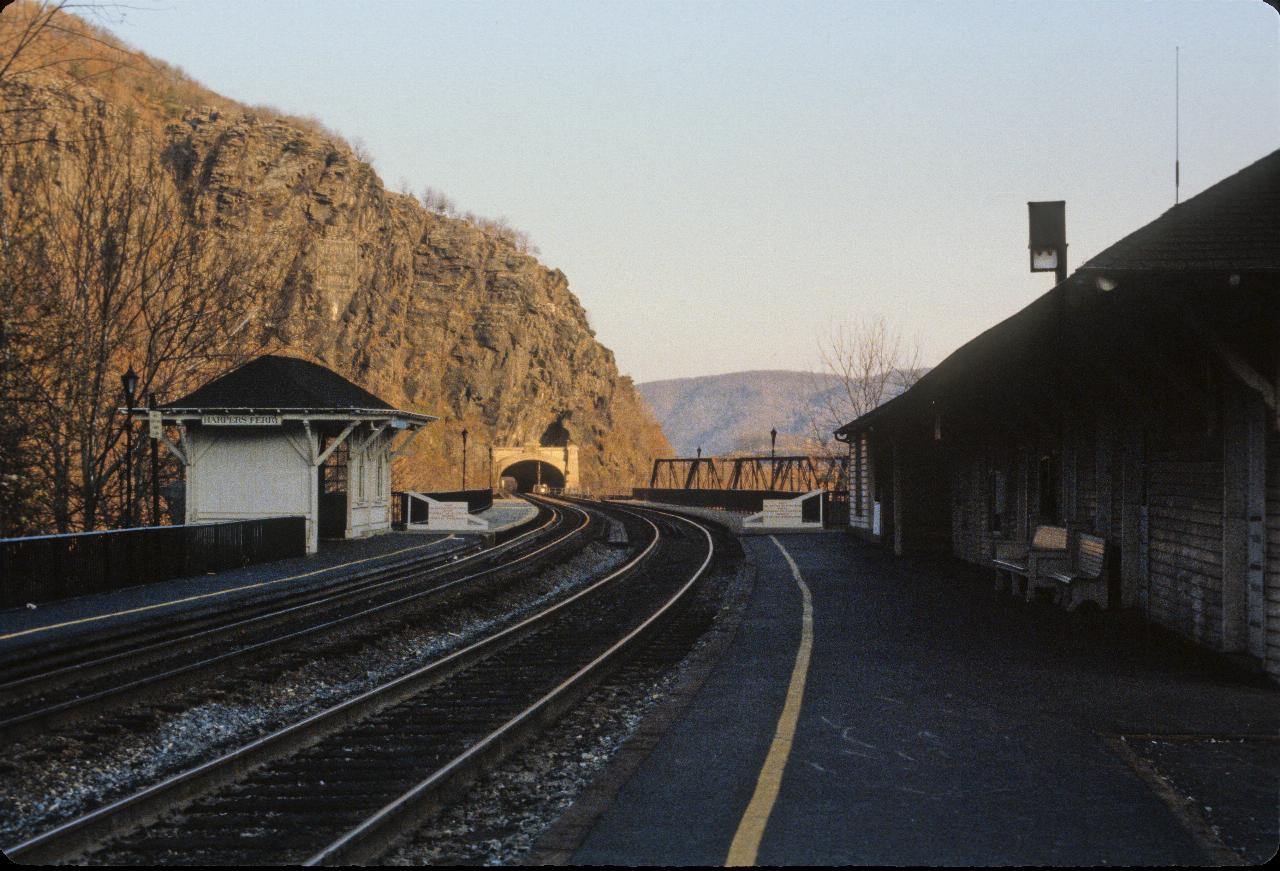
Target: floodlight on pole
1048,237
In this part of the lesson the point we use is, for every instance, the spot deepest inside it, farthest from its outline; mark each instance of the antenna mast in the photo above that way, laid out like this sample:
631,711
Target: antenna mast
1177,122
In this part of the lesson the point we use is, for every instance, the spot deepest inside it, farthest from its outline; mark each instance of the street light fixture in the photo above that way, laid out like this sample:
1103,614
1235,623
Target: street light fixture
773,450
129,384
1048,243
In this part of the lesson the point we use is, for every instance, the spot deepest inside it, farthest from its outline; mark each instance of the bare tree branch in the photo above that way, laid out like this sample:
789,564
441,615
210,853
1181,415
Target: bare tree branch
864,364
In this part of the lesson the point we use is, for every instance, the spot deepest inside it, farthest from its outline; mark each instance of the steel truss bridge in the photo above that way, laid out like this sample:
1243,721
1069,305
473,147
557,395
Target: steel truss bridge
794,473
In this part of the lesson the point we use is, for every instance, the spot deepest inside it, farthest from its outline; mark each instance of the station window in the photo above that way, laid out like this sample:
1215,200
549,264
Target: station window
333,474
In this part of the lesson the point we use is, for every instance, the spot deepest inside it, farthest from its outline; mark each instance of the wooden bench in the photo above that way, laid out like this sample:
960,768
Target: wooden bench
1016,564
1081,580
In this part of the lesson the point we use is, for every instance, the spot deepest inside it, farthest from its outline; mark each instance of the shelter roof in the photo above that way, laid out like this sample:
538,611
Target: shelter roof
273,383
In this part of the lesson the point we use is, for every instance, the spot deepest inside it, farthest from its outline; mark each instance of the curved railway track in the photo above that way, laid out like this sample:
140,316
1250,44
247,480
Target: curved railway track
89,680
342,784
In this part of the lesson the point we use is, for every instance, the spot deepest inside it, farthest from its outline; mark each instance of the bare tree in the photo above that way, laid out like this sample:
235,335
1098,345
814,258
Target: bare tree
360,150
40,35
437,202
864,364
105,266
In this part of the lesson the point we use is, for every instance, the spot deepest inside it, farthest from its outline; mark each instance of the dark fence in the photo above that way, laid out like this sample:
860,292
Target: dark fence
835,513
477,500
729,500
48,567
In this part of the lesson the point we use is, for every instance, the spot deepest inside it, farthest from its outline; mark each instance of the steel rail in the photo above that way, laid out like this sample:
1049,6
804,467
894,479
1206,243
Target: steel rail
74,837
367,841
15,726
388,572
381,575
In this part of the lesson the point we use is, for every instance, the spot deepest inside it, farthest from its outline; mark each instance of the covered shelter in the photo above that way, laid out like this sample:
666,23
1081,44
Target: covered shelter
1135,403
281,436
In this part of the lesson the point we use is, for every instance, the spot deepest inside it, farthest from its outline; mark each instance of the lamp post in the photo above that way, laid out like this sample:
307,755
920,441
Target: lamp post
773,450
129,384
464,459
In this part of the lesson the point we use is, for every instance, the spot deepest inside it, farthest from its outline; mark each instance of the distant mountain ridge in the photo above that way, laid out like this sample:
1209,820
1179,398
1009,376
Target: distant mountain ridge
736,410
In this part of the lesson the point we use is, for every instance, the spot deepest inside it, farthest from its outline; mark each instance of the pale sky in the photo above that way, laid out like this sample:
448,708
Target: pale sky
723,181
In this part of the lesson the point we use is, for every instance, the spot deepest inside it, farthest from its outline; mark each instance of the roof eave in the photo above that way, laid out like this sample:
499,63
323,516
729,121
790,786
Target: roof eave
191,413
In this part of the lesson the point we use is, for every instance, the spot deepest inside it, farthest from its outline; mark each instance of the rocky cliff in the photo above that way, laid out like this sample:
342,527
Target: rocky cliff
427,311
432,313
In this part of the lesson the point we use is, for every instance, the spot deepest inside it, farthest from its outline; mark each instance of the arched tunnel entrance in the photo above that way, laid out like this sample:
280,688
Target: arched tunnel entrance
528,473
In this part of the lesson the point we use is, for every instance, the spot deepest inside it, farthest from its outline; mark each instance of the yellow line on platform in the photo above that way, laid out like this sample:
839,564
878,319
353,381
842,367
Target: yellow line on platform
746,842
215,593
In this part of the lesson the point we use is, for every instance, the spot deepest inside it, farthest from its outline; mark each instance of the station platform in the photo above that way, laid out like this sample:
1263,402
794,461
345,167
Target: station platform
506,513
733,520
939,723
25,630
729,519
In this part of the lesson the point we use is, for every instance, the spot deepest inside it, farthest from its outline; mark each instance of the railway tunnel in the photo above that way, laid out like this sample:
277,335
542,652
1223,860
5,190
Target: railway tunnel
529,473
555,467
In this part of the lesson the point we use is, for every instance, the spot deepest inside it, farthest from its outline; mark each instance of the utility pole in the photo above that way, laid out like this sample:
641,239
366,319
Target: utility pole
155,460
129,384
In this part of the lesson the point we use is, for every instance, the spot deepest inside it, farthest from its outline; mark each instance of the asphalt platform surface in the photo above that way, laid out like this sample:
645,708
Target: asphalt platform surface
945,724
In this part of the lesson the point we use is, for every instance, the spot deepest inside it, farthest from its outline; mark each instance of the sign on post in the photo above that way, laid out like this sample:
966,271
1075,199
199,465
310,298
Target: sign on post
153,420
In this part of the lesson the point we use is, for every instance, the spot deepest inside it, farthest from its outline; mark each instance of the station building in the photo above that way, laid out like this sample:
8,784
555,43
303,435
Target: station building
1134,402
281,436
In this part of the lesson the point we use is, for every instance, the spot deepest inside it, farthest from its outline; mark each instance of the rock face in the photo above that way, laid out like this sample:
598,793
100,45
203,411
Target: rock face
431,313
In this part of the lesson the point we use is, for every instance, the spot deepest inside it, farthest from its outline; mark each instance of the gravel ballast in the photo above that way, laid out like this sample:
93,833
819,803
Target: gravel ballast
50,778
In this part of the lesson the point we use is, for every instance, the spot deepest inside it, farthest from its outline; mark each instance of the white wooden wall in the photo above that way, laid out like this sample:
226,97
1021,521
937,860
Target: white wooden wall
861,484
368,485
238,474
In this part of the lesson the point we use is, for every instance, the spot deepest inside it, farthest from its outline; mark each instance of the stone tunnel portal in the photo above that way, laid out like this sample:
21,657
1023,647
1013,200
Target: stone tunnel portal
528,473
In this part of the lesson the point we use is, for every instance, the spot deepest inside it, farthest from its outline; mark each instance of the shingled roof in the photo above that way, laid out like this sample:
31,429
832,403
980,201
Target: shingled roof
278,383
1232,226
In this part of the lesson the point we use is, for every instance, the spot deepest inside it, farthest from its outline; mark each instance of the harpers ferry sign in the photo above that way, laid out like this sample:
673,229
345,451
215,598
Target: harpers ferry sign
240,419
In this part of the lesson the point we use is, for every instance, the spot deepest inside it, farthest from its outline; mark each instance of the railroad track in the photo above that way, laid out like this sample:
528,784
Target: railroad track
39,695
344,783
